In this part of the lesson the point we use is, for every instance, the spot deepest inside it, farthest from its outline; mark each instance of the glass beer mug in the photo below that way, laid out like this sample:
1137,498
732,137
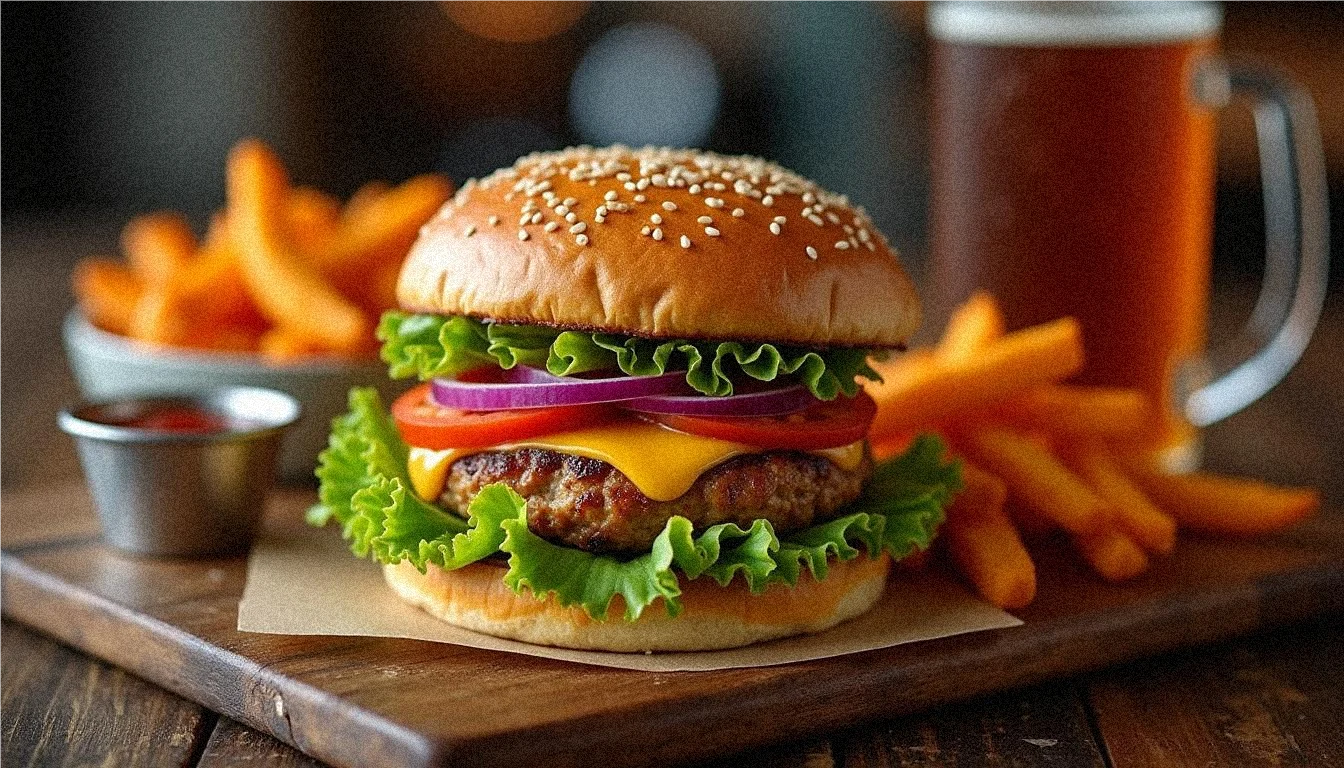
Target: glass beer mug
1073,174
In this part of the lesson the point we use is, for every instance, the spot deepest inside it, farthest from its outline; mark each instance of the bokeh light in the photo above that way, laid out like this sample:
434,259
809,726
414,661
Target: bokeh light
645,83
519,21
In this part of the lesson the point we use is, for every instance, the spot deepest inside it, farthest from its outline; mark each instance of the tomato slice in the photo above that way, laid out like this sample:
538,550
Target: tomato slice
425,424
831,424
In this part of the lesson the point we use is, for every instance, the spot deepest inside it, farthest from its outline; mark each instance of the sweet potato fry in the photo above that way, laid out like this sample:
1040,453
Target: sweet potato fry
923,393
281,346
892,445
973,327
1105,413
1133,513
159,319
985,545
311,218
384,226
1112,555
1037,478
107,293
214,287
158,245
289,293
358,204
1231,506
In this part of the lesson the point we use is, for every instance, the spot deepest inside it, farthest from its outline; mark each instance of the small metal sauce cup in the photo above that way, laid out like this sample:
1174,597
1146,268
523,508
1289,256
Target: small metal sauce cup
182,493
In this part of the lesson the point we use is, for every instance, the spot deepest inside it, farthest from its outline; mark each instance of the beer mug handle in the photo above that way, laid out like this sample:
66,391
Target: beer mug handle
1292,168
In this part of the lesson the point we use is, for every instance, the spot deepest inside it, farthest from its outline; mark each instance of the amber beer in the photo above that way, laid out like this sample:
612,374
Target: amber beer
1073,174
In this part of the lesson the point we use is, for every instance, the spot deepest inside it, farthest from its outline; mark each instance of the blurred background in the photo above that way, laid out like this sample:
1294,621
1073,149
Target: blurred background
114,109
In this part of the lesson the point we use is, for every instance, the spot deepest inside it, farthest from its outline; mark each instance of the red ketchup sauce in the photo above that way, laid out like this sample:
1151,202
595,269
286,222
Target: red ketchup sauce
180,419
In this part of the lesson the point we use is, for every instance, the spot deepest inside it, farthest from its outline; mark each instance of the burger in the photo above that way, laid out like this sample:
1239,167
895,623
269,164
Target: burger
639,425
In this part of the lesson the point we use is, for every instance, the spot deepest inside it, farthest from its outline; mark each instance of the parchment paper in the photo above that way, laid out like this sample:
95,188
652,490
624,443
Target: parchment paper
304,581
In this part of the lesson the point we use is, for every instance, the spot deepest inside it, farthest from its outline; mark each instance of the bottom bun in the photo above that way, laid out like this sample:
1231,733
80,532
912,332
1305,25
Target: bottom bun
476,598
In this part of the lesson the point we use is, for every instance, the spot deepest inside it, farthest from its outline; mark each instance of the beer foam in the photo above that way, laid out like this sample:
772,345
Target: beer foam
1030,23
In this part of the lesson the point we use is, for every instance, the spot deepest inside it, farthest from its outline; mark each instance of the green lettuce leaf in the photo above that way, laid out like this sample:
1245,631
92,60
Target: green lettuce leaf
364,488
428,346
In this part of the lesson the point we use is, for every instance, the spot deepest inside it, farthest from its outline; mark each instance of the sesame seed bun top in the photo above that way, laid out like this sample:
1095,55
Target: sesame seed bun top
662,243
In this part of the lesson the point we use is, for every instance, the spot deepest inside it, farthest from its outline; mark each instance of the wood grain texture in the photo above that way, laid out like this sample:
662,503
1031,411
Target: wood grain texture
233,745
345,700
814,753
1266,701
1043,726
61,708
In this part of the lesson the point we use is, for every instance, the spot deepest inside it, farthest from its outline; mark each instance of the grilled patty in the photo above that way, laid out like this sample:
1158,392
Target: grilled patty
589,504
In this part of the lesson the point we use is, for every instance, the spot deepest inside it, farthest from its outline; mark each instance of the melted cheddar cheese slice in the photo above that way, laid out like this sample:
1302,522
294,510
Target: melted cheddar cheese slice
662,463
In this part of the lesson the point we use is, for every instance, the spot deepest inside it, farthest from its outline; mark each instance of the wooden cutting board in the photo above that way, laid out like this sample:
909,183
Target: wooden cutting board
365,701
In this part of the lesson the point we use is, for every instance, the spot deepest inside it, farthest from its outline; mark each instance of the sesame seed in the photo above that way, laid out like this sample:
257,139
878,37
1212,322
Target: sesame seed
657,233
806,212
767,201
775,228
581,239
642,184
630,186
668,205
571,217
623,176
782,219
811,253
869,244
831,217
841,245
611,195
695,189
599,218
711,231
561,210
494,221
809,198
571,201
704,220
685,242
656,218
577,228
815,219
714,202
525,219
644,230
522,234
601,210
738,213
551,226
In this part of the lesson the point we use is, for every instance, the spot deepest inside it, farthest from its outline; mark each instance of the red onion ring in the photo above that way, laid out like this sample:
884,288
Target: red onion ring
524,387
770,402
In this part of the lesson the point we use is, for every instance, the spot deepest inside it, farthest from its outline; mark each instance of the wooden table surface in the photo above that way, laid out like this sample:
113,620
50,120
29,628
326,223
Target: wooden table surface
1273,699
